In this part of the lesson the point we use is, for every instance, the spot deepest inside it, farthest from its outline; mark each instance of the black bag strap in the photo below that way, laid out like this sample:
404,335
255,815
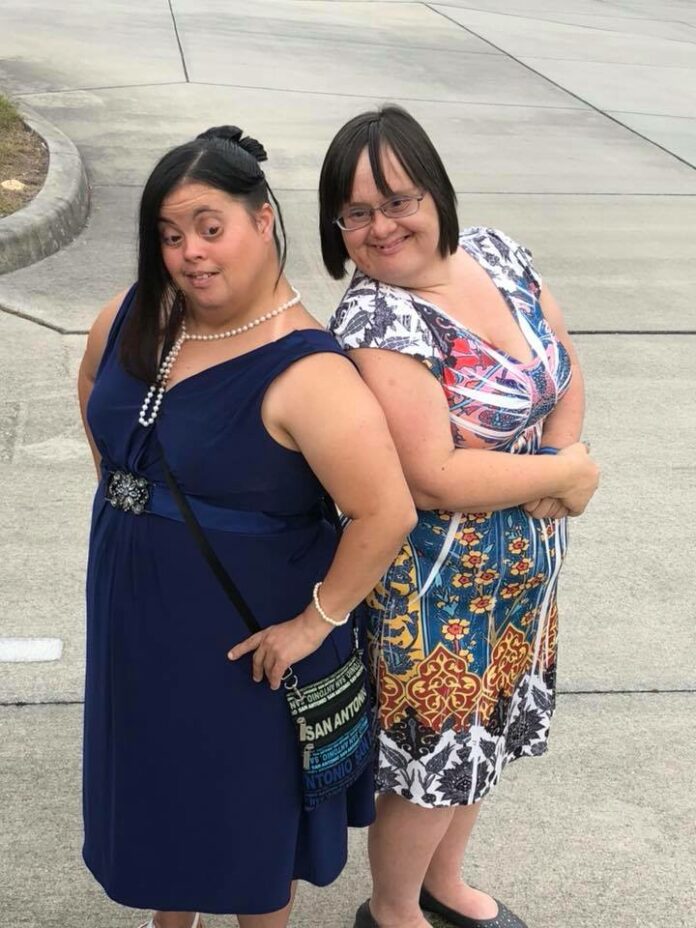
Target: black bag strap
214,562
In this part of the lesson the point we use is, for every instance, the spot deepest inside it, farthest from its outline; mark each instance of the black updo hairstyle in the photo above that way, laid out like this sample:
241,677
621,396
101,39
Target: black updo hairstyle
393,127
220,157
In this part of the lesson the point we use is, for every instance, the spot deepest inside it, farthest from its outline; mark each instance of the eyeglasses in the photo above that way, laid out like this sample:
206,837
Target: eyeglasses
361,215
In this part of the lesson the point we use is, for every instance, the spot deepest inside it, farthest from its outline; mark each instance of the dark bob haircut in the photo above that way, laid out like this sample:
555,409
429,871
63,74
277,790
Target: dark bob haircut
221,158
387,127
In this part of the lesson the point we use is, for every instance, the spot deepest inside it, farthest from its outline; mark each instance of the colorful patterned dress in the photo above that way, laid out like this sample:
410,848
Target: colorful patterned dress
463,624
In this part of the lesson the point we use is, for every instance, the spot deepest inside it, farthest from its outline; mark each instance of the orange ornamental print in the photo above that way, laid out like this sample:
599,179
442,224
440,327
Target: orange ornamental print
482,604
468,536
474,559
486,576
478,518
455,629
511,590
523,566
460,581
510,658
444,690
392,698
518,545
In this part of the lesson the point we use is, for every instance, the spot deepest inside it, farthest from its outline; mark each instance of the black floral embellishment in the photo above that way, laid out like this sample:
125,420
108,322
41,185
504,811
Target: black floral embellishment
387,778
496,726
396,658
488,749
396,760
550,678
525,729
542,700
438,762
456,784
127,492
412,736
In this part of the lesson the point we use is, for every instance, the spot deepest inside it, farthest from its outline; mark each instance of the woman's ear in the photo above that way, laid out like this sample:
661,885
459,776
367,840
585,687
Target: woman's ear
265,221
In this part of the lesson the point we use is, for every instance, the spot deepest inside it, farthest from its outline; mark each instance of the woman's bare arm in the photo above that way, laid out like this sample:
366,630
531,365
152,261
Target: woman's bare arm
564,426
334,420
96,342
443,477
322,407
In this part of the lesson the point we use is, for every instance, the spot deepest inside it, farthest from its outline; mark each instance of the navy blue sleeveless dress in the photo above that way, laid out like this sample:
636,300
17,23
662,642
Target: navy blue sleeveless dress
192,793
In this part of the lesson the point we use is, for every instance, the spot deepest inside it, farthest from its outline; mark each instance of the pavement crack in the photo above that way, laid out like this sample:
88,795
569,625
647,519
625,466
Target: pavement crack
178,41
632,331
322,39
563,89
34,320
367,96
534,17
629,692
48,702
677,691
63,90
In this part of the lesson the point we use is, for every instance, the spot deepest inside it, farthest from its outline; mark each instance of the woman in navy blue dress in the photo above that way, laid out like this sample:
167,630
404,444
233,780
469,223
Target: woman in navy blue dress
192,792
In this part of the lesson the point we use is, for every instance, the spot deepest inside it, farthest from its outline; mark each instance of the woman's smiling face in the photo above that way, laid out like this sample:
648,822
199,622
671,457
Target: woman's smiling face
396,251
212,246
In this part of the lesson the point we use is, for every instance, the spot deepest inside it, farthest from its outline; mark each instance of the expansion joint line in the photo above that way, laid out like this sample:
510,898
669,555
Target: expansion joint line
560,87
677,691
178,42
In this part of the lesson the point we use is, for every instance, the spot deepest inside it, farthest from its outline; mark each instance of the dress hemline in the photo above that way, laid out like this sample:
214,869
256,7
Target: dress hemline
185,905
522,752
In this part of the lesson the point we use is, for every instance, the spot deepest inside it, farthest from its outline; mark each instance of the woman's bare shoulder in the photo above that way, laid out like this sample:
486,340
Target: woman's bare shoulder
99,333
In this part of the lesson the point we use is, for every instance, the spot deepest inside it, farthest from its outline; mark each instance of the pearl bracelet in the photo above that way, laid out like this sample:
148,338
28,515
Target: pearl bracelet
325,617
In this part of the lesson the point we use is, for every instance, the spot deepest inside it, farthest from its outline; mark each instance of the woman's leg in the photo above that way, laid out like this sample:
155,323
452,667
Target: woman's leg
443,877
401,844
174,919
277,919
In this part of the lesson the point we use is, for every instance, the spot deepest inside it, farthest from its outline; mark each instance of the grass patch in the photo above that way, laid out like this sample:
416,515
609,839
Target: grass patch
8,114
23,160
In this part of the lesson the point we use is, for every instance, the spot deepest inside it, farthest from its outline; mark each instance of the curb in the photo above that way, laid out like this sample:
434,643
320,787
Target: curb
59,210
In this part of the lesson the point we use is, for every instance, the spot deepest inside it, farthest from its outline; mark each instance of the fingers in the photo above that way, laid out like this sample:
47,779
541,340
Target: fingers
276,648
531,506
265,661
258,664
548,508
556,510
245,646
275,675
573,507
539,509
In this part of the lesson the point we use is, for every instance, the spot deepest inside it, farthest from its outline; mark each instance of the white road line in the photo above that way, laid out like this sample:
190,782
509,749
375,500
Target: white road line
26,650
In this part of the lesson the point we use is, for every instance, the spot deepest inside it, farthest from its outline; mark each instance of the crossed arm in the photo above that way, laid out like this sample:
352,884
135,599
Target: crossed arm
441,476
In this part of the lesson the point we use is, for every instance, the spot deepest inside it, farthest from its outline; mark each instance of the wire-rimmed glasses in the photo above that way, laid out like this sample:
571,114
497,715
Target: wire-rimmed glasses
360,215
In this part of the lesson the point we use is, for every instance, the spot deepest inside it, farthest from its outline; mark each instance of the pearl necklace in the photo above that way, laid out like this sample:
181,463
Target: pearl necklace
153,400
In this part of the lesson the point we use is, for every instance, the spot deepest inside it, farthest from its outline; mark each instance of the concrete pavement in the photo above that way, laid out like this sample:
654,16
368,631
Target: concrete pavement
571,124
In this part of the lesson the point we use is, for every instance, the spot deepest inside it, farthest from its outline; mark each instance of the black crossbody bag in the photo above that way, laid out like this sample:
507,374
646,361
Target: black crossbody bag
332,716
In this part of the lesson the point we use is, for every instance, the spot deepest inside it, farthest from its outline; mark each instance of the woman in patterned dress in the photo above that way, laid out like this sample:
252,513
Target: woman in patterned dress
468,353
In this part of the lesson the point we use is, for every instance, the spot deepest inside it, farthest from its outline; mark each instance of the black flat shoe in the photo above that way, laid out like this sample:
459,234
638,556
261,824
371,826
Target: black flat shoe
504,919
364,918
